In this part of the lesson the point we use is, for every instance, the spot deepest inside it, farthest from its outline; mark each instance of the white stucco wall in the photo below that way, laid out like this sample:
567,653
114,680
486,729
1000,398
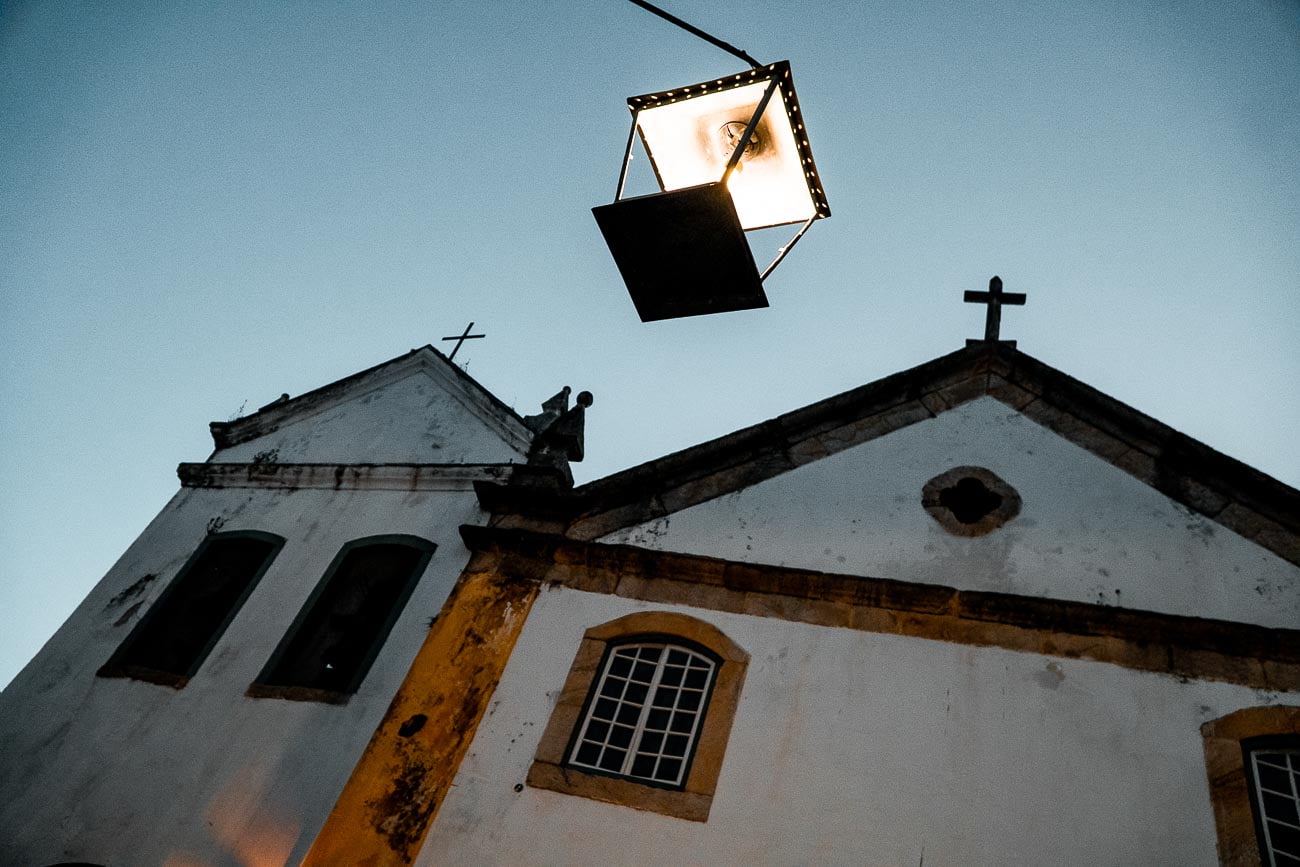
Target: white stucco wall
864,749
1087,531
411,419
123,772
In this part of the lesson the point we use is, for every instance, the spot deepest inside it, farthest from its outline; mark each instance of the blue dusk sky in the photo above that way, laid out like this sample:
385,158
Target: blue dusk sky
203,205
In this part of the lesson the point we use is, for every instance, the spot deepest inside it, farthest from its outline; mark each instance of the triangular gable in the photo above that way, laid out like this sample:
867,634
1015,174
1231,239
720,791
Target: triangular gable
464,393
1201,479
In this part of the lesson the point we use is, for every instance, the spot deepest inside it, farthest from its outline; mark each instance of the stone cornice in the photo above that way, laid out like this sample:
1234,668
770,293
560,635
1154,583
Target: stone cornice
1225,490
355,477
1180,646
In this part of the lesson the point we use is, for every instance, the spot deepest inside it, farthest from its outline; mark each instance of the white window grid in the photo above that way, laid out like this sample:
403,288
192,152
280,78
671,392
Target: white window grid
1277,791
645,712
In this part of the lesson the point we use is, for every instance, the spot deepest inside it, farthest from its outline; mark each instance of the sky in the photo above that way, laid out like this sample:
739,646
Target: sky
205,205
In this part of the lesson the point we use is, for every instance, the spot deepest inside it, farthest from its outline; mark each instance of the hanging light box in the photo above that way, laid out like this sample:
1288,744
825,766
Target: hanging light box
730,156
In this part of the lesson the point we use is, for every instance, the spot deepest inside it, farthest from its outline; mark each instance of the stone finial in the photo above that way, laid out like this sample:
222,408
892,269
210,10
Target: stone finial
552,409
559,430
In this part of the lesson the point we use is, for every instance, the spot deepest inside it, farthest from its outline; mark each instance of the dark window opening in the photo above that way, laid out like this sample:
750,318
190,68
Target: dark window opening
179,630
969,500
330,646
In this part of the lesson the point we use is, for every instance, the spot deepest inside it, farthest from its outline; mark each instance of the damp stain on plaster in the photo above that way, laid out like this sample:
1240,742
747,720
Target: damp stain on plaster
135,589
128,614
1050,677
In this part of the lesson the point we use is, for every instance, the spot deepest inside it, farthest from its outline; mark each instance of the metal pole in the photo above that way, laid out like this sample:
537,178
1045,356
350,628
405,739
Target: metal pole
627,156
786,249
673,19
749,131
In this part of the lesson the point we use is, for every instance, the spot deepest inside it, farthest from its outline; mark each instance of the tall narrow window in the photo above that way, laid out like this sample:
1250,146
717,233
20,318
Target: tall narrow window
1273,766
337,635
642,718
179,630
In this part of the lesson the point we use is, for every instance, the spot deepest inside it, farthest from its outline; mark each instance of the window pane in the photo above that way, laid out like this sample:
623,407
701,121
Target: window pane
1285,839
651,742
178,631
587,754
669,770
339,632
682,722
621,736
1275,779
1281,808
675,745
613,760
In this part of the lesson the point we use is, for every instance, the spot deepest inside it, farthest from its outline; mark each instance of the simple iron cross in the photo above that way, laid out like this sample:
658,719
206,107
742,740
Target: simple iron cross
461,338
994,298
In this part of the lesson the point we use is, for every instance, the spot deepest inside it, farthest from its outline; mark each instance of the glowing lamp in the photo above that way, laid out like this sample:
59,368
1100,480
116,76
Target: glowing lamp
730,156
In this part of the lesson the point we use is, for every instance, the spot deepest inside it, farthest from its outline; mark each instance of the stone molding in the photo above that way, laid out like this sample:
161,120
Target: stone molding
932,500
695,798
1225,490
1175,645
1225,766
342,477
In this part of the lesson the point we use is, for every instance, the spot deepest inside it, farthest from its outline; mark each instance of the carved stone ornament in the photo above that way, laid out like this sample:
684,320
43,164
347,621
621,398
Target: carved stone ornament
970,501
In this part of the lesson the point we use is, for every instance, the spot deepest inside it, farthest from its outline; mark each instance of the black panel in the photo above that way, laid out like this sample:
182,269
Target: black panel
682,253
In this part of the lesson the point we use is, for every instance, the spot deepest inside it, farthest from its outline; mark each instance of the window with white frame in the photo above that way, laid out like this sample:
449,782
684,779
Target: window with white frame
1275,781
644,712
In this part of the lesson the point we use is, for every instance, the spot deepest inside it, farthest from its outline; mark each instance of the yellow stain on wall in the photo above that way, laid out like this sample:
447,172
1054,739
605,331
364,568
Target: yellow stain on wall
388,804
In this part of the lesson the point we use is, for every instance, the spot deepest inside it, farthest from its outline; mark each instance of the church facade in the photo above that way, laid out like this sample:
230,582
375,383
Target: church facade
973,613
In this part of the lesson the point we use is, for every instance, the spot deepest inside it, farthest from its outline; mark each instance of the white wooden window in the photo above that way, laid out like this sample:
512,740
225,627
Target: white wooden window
1276,775
643,716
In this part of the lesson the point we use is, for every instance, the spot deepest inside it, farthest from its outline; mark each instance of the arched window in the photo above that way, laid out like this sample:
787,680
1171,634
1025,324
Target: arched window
644,711
645,715
1252,758
339,631
178,631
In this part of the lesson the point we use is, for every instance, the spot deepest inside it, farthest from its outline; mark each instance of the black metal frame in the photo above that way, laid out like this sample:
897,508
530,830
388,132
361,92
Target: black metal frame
778,75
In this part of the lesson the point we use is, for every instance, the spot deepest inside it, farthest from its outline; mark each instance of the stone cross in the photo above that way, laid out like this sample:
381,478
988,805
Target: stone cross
994,298
461,338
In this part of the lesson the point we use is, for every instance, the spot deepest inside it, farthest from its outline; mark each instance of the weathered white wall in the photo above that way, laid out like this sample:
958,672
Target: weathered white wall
120,772
411,419
1087,531
864,749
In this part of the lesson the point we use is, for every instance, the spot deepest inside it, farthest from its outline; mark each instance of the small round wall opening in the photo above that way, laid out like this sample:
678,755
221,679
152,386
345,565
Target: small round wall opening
970,501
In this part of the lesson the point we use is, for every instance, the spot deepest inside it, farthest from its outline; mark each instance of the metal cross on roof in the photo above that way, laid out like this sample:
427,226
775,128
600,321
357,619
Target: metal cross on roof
994,298
461,338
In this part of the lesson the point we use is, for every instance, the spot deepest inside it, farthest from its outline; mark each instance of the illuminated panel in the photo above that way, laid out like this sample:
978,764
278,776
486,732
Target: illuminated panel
690,133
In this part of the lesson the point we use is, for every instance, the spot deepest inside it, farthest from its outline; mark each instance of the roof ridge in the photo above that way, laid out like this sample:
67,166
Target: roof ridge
1224,489
257,423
